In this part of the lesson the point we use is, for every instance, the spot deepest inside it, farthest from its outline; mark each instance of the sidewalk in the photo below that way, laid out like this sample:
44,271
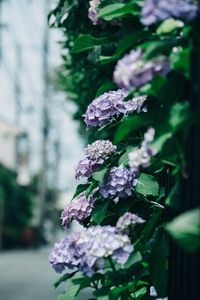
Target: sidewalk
26,275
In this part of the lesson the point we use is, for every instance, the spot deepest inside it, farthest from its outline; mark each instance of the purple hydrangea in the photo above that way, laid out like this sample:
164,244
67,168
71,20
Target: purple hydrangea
133,71
120,183
141,157
78,209
88,249
99,151
93,11
65,254
157,10
111,105
84,168
96,154
128,220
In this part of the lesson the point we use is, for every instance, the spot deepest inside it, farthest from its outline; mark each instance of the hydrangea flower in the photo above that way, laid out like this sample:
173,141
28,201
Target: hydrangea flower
96,154
141,157
88,249
128,220
156,10
78,209
93,11
133,71
111,105
99,151
119,183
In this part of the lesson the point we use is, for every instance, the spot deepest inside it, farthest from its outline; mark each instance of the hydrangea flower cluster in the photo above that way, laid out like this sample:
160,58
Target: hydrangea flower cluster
141,157
120,183
96,154
133,71
88,249
156,10
128,220
78,209
93,11
111,105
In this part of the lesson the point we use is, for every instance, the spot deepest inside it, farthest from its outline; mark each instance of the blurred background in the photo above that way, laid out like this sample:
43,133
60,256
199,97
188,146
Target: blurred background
39,148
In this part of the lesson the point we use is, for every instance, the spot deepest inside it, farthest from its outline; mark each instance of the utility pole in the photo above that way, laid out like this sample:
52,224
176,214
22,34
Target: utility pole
45,129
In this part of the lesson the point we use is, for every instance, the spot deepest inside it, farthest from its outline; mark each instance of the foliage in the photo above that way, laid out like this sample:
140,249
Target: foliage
90,56
17,208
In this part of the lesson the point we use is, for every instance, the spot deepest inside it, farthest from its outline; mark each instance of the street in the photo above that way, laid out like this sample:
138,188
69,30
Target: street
26,275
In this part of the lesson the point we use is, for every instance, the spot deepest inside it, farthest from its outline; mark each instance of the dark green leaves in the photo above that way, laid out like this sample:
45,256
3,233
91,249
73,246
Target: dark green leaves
185,229
86,42
147,185
63,278
100,211
157,265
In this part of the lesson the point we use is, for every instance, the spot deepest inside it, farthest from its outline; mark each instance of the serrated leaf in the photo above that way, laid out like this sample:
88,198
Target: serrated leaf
147,185
99,175
185,229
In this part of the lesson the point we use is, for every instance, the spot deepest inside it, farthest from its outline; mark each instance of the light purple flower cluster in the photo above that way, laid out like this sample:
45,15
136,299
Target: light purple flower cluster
127,221
141,157
157,10
88,249
93,11
120,183
78,209
111,105
96,154
133,71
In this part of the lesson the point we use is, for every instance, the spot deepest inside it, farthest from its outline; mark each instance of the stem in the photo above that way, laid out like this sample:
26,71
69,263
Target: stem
112,264
157,204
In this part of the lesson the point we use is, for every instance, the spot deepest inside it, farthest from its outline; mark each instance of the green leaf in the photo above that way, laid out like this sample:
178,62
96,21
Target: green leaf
71,290
147,185
157,263
134,258
173,198
64,278
128,125
139,293
86,42
169,25
104,88
124,44
99,175
185,229
179,115
80,188
117,10
99,212
124,158
180,60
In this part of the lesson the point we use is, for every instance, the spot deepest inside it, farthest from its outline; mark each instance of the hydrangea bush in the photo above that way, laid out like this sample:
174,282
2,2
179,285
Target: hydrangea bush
127,69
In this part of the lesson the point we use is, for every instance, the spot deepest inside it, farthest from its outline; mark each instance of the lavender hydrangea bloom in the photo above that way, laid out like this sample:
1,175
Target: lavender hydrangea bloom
141,157
65,253
128,220
84,168
111,105
93,11
99,151
119,184
156,10
88,249
133,71
96,154
78,209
